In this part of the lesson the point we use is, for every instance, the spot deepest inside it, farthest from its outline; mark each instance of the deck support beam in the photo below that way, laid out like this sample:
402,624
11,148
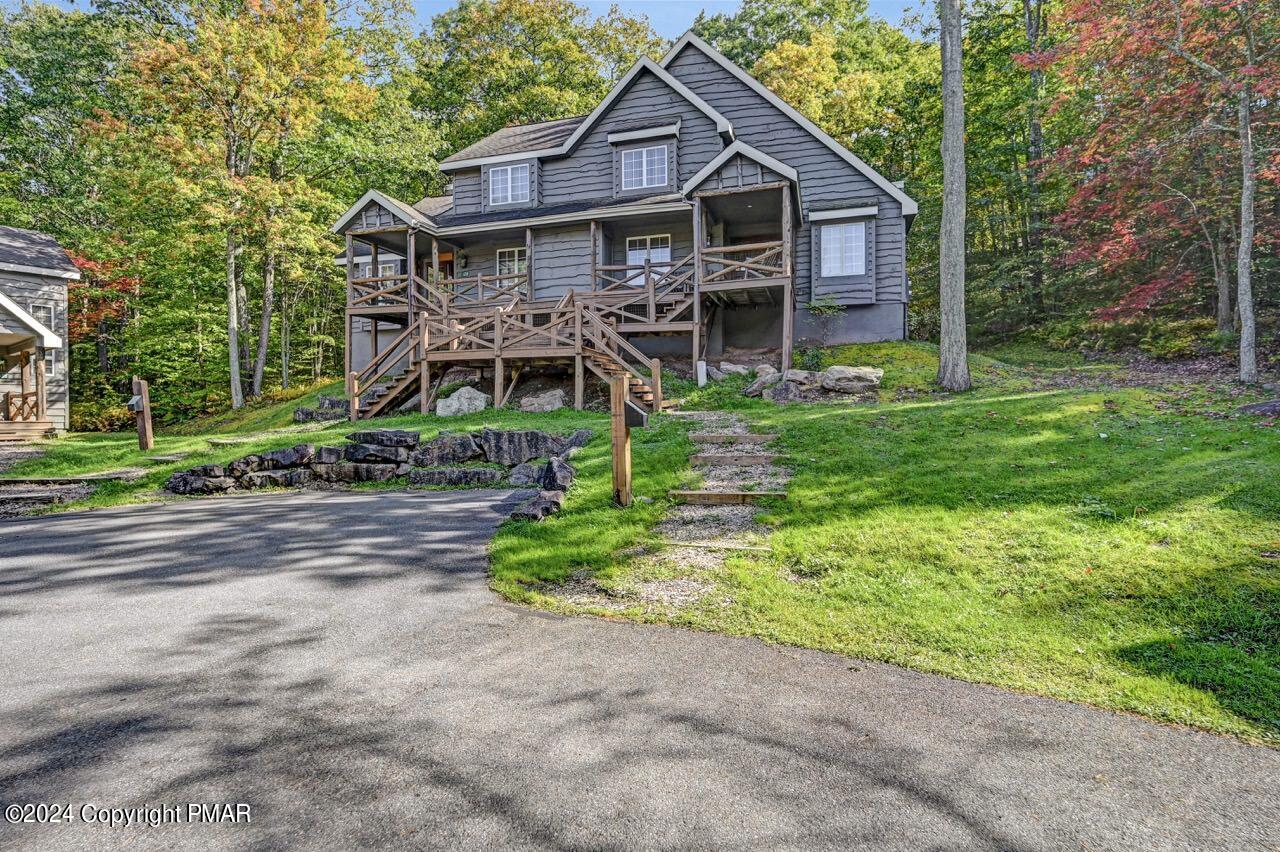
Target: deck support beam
579,386
788,289
696,331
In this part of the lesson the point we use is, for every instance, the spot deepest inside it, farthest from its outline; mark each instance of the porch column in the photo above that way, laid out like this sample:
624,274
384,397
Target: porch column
528,262
788,289
41,402
410,263
696,334
595,254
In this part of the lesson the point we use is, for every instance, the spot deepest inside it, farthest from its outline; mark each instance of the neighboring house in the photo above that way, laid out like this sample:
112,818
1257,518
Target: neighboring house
691,212
34,271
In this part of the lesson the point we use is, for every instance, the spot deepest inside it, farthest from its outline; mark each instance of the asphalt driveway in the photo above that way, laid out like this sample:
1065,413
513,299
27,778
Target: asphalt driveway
337,662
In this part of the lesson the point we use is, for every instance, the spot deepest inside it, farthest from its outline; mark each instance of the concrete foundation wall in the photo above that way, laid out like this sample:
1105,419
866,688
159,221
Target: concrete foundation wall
855,324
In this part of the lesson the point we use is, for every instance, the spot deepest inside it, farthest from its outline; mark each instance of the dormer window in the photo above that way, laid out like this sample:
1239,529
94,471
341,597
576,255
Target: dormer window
644,167
509,184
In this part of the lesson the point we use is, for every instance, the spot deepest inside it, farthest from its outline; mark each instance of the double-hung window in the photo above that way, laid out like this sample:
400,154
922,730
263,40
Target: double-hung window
644,167
509,184
654,248
44,315
844,249
513,261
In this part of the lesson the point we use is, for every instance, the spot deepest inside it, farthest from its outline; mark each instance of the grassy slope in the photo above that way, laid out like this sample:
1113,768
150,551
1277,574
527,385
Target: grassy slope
998,537
995,536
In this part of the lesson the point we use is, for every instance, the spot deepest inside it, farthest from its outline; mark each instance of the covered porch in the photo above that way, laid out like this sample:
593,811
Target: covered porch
24,406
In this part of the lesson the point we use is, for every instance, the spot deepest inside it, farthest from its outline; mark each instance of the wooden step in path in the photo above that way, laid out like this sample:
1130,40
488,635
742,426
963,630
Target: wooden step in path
749,458
734,459
730,438
724,498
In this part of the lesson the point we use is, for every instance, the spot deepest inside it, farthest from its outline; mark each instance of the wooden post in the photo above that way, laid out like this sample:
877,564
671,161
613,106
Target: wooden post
351,274
146,440
497,360
528,263
595,255
649,288
579,386
435,260
410,262
696,333
657,385
354,384
788,288
24,373
621,436
424,376
41,400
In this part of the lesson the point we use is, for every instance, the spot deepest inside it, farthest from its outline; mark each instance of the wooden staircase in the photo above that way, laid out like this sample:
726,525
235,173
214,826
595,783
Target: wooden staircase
25,430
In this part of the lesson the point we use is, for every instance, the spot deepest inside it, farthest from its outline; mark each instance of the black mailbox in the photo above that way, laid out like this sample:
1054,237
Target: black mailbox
134,404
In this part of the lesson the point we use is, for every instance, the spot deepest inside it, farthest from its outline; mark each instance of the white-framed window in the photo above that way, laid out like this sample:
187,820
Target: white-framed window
386,270
509,184
512,261
844,249
655,248
44,314
644,167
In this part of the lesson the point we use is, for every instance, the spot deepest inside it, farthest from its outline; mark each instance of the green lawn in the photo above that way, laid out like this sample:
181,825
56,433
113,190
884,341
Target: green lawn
1118,548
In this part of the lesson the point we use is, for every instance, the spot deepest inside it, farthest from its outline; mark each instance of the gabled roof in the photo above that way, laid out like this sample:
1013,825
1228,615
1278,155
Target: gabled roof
434,206
505,139
43,334
740,147
909,206
403,211
34,253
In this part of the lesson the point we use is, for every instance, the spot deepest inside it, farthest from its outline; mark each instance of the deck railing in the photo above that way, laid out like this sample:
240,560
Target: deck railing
20,406
743,262
639,292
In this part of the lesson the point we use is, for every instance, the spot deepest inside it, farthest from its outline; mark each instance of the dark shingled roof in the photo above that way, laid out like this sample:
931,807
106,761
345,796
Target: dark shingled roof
21,247
521,137
433,205
446,221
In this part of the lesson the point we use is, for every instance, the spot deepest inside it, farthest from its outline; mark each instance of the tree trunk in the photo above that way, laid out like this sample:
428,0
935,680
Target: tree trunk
1244,251
1222,281
264,327
953,360
233,321
1033,18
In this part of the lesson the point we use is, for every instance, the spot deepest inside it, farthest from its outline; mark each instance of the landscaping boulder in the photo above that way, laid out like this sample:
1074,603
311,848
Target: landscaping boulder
785,392
352,472
510,448
842,379
376,454
579,438
731,369
465,400
248,464
538,507
327,408
803,378
275,478
713,374
758,387
557,474
292,457
763,370
189,482
525,475
212,471
327,455
386,437
446,449
1265,409
551,400
455,476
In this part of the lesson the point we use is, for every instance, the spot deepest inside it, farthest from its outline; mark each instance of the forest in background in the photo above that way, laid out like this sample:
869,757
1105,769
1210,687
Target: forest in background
192,158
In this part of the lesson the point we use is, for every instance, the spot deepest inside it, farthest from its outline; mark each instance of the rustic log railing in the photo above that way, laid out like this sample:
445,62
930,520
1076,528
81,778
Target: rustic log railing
21,406
724,264
597,334
382,291
634,293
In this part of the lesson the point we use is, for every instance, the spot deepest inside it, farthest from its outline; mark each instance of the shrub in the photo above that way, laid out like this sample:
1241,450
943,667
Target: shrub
100,415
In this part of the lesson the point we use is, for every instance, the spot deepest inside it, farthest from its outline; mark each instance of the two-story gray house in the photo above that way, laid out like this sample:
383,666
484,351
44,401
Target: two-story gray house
692,211
34,271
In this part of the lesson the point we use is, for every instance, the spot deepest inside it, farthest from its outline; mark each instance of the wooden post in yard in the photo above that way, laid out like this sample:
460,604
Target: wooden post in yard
788,288
146,439
621,436
698,237
497,360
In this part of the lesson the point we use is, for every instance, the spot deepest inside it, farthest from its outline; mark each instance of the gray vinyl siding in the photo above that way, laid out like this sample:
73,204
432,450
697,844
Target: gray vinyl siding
27,290
534,184
649,102
374,215
681,238
846,289
561,260
740,173
466,192
826,179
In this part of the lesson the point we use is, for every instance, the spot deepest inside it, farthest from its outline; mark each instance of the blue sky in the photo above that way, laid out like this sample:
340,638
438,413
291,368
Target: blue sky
669,17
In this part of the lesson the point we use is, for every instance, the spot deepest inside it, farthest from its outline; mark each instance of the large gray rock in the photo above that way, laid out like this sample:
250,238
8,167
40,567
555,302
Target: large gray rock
803,378
327,455
386,437
455,477
557,474
513,447
275,479
763,370
785,392
1265,409
465,400
350,472
758,387
446,449
713,374
551,400
526,475
298,456
188,482
376,454
842,379
731,369
215,471
247,464
579,438
539,506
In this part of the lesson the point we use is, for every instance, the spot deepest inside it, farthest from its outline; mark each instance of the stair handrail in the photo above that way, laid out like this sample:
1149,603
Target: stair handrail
594,322
384,358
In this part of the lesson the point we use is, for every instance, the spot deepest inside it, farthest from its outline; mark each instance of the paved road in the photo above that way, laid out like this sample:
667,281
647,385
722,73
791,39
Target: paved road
336,661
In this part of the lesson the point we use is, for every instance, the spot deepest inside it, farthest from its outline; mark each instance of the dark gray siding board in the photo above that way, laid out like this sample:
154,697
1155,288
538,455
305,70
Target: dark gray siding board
826,180
466,192
740,173
28,290
534,187
681,238
374,215
589,171
561,260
